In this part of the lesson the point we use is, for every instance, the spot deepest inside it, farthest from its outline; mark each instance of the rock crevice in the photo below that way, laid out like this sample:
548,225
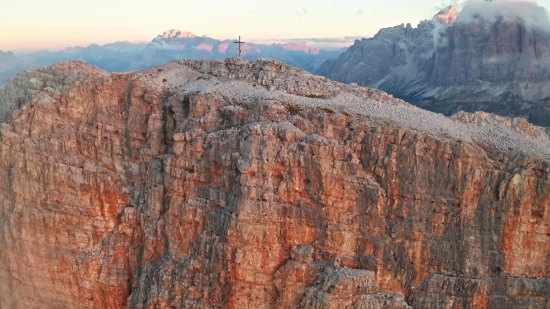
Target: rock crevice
124,191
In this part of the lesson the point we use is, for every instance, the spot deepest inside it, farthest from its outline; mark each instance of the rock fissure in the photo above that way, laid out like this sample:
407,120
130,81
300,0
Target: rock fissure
229,198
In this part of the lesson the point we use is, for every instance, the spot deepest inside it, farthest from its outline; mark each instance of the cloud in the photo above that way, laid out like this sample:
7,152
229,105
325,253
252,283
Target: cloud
346,39
528,11
301,12
441,21
158,43
335,43
487,12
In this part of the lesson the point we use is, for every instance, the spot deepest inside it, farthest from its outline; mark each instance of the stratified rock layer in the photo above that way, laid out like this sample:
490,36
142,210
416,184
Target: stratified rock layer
169,189
447,65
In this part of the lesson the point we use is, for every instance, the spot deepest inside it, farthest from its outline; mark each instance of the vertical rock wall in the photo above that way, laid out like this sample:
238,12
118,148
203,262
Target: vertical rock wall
119,193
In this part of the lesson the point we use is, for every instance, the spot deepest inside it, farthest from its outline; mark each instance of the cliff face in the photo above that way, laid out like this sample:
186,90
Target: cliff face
246,185
446,65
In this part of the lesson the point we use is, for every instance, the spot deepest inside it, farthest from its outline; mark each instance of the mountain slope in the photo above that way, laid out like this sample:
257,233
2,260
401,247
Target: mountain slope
457,62
237,184
10,65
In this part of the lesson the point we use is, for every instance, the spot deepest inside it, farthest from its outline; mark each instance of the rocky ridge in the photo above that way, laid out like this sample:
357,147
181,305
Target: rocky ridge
169,46
237,184
450,63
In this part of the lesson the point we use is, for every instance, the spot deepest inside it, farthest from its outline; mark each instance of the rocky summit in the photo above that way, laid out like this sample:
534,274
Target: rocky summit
237,184
459,61
170,46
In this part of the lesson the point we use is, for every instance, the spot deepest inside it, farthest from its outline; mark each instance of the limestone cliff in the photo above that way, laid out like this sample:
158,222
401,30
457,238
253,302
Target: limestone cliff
459,62
236,184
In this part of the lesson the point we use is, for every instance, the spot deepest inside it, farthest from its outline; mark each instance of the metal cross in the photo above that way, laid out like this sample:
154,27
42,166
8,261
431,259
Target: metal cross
239,42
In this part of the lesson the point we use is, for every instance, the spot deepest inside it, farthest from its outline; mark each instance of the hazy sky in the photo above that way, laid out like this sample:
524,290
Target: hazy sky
51,24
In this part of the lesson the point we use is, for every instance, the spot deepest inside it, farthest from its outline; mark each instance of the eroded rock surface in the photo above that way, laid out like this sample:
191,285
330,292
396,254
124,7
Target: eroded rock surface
458,62
189,187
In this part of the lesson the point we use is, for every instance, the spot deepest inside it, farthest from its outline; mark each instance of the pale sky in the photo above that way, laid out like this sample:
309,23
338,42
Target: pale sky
56,24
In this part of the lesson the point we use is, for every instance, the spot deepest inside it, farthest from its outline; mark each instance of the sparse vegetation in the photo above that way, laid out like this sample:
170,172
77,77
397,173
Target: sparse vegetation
345,113
459,141
160,70
327,110
293,109
387,124
164,80
190,170
510,148
314,96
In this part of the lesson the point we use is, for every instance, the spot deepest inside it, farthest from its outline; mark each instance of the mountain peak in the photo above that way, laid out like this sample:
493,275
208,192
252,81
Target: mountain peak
447,15
177,34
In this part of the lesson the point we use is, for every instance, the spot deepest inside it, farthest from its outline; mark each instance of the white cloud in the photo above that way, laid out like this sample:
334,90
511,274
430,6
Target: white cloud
528,11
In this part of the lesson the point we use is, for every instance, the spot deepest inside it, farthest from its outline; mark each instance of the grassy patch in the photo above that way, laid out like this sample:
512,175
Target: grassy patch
327,110
314,96
293,109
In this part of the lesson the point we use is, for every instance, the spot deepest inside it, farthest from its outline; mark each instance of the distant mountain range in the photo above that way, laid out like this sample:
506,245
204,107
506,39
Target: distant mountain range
483,58
10,65
171,45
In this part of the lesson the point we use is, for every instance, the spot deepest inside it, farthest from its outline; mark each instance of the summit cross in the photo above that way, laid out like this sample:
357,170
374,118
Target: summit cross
239,42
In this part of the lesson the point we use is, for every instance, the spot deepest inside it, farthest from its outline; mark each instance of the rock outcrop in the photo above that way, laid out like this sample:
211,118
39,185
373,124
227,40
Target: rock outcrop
458,62
206,184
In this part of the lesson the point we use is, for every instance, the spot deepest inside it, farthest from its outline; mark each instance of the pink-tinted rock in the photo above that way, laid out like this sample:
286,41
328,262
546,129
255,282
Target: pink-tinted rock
125,192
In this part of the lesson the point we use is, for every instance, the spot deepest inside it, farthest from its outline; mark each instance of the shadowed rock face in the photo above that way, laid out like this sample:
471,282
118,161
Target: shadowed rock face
124,191
447,66
10,65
